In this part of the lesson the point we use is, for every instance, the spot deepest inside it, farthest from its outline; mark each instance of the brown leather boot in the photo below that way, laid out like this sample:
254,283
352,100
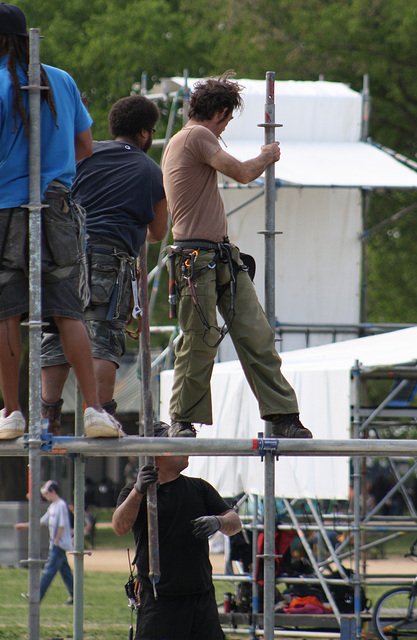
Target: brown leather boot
52,412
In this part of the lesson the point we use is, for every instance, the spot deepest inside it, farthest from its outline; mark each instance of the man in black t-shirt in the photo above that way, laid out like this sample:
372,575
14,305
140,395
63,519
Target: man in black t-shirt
189,511
122,193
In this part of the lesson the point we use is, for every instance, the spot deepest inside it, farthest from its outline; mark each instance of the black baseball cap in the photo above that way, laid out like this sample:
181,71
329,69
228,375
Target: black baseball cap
12,20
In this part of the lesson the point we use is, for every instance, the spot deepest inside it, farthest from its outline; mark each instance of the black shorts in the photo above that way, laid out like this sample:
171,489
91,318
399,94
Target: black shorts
188,617
108,274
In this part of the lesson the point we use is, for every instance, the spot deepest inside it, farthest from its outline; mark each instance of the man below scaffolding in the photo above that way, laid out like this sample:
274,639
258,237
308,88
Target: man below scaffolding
190,510
121,190
210,273
65,138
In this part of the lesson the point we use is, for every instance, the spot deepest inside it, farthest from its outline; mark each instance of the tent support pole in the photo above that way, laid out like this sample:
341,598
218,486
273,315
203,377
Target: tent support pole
356,389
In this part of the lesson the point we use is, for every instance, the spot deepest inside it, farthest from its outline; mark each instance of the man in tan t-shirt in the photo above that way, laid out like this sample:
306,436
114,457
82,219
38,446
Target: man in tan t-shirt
209,271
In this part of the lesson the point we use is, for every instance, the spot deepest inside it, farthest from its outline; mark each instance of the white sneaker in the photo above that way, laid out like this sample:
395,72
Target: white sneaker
12,426
100,424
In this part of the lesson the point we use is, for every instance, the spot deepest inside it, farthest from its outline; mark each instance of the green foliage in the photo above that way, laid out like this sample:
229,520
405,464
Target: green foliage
392,262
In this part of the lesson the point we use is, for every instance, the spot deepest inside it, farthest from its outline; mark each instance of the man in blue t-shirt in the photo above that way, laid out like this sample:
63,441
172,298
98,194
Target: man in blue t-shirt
65,137
121,190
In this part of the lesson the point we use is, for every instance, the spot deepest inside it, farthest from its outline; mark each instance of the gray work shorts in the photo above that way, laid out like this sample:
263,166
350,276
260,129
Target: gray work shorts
60,261
111,293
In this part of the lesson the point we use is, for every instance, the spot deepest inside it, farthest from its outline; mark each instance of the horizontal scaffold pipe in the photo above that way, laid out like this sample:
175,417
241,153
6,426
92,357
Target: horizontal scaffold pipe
135,445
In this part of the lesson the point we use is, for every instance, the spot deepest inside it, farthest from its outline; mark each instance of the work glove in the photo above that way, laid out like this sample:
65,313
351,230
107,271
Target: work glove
205,526
147,475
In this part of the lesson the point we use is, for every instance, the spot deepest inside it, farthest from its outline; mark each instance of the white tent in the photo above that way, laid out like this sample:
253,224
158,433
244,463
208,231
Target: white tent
321,377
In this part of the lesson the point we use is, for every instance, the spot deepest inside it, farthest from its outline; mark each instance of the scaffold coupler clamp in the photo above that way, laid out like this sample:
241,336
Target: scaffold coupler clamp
45,440
265,444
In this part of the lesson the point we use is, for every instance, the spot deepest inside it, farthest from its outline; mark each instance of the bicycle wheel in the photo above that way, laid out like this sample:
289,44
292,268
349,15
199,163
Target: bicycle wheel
392,618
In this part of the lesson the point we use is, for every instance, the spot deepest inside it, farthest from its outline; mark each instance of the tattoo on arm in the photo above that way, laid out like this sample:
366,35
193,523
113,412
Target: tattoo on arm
126,513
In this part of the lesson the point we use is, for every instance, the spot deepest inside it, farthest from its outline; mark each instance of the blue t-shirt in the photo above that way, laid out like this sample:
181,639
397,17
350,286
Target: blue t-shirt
118,186
57,139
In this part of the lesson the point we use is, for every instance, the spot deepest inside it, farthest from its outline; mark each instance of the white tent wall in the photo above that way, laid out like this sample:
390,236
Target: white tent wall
321,377
324,400
317,260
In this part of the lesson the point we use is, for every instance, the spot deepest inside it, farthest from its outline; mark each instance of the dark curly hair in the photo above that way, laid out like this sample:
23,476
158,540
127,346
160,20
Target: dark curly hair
213,96
128,116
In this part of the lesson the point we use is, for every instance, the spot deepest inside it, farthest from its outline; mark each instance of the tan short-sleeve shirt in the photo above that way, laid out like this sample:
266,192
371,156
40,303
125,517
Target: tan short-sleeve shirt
190,183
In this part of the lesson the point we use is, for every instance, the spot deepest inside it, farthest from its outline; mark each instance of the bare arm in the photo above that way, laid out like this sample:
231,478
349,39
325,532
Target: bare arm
248,170
126,513
20,526
83,143
158,227
230,523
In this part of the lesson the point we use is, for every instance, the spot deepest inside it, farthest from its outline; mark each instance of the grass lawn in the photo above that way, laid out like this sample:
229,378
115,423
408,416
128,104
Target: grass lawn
106,611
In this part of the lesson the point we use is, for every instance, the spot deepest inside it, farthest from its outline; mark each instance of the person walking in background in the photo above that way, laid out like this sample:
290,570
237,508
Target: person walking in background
189,511
210,273
121,190
65,138
57,520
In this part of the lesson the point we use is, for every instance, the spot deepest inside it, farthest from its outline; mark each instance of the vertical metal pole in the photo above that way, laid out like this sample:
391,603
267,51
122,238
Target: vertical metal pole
79,484
34,332
357,501
185,98
270,203
145,355
255,588
144,84
269,470
366,107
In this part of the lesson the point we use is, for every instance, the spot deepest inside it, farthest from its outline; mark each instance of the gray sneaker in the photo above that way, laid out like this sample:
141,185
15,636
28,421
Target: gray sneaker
181,430
289,426
100,424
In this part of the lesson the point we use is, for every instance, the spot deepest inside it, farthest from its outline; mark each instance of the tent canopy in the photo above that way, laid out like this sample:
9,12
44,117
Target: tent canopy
326,164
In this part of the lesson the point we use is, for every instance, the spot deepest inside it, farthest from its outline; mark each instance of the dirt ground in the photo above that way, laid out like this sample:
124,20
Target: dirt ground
116,560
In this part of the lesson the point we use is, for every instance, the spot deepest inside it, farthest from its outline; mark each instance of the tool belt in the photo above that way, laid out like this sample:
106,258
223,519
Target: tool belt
188,251
116,266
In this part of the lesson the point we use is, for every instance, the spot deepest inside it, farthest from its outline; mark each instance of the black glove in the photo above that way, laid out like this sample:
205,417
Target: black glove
205,526
148,474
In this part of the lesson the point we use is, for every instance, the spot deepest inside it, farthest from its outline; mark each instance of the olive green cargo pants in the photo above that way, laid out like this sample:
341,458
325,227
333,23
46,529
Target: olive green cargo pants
251,334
